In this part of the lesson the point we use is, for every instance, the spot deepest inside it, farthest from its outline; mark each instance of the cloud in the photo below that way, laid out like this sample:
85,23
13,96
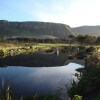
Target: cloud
85,12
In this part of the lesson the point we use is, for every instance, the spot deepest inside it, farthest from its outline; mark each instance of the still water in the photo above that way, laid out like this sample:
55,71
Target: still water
42,80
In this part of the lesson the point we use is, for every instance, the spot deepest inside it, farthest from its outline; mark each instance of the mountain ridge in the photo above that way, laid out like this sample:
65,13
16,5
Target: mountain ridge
34,28
88,30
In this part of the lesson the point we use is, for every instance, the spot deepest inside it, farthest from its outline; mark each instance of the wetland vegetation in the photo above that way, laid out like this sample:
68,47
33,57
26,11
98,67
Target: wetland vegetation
53,54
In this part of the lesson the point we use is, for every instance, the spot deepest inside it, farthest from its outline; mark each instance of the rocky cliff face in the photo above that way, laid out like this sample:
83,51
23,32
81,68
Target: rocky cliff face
38,29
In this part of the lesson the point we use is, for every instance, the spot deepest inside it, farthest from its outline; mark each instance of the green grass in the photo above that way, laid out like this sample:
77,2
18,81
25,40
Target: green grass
55,45
45,46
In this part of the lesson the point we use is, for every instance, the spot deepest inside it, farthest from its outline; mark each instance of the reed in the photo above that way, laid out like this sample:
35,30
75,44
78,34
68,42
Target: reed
6,93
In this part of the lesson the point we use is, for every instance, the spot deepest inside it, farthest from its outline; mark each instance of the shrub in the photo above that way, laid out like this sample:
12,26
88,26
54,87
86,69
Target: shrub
92,62
1,53
77,97
81,55
81,47
90,50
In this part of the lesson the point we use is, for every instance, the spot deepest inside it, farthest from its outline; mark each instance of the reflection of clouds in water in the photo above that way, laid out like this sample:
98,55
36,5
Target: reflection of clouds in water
43,79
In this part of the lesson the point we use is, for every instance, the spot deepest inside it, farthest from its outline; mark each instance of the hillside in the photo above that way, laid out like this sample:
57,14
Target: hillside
88,30
38,29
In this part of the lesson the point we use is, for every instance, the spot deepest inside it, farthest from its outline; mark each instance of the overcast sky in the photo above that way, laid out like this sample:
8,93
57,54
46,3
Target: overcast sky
72,12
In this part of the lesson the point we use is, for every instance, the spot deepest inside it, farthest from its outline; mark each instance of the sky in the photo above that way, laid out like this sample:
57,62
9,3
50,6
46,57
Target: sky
71,12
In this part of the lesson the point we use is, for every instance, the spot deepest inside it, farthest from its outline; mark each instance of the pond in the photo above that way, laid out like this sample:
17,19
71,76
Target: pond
42,80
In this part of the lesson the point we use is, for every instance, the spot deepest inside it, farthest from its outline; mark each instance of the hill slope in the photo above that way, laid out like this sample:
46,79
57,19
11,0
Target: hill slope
88,30
38,29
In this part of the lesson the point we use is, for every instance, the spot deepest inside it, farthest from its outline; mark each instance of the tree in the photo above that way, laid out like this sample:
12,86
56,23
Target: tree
84,40
80,39
98,40
71,39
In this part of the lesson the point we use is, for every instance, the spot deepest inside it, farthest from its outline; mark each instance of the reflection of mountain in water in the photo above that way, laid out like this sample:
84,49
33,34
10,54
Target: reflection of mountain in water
36,60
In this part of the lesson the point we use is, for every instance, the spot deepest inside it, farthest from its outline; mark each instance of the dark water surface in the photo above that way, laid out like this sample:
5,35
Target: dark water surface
42,80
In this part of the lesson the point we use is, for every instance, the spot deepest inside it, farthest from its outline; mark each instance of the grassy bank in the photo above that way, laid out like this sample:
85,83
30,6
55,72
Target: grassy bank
6,46
20,48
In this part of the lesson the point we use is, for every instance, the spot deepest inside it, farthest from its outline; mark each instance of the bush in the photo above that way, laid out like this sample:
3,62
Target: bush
81,47
81,55
90,50
92,62
89,80
49,50
77,97
64,49
1,53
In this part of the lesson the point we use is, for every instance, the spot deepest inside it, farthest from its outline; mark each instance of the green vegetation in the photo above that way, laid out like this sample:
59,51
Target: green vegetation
88,82
77,97
24,48
80,47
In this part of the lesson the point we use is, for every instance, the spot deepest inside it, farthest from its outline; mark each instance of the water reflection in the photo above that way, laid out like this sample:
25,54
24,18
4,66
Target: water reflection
41,80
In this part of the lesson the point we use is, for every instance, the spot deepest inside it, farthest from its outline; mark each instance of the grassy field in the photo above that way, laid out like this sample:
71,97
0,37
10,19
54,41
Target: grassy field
6,46
31,47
